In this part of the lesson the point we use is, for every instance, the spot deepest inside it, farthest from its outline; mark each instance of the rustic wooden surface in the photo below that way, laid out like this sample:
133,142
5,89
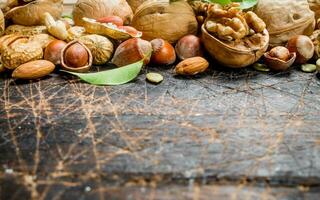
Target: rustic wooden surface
226,134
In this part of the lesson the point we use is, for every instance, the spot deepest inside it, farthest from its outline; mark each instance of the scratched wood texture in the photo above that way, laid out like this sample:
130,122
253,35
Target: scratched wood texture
226,134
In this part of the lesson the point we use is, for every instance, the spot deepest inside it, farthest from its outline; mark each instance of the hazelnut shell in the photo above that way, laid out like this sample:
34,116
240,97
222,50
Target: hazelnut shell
278,64
78,69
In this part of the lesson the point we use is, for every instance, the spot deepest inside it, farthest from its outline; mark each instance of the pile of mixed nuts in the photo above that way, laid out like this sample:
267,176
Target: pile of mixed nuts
37,38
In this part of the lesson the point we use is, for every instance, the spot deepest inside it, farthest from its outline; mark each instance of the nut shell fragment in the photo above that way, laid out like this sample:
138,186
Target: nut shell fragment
33,70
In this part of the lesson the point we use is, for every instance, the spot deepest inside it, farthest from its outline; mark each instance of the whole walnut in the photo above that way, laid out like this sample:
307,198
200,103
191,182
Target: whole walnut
96,9
100,47
285,19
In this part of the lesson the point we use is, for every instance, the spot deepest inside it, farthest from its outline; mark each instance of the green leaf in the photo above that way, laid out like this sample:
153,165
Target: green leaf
246,4
221,2
116,76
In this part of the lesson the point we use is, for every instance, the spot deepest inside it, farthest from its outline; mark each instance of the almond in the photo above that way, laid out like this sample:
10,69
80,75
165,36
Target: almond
33,70
192,66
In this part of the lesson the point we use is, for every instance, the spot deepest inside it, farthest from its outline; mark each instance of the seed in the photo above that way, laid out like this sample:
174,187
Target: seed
309,68
261,67
318,64
154,77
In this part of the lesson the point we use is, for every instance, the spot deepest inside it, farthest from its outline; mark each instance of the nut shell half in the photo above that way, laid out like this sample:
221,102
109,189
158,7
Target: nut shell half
278,64
109,30
236,56
84,68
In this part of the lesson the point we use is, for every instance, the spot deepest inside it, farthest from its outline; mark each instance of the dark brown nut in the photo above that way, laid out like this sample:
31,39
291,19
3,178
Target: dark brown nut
53,51
163,52
132,51
75,56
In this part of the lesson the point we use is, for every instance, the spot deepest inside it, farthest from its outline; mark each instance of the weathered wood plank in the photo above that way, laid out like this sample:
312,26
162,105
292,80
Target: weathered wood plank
243,127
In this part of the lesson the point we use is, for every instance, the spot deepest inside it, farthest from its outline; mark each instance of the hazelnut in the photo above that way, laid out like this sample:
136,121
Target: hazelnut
280,52
279,58
189,46
75,56
163,52
131,51
111,19
53,51
302,46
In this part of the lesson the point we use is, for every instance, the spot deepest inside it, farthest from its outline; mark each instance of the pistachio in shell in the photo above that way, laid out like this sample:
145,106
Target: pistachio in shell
109,30
164,19
31,13
285,19
131,51
96,9
100,47
33,69
237,53
20,51
25,30
76,57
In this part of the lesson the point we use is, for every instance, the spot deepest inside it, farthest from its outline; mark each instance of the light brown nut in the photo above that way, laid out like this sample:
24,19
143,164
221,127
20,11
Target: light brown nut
33,70
19,52
192,66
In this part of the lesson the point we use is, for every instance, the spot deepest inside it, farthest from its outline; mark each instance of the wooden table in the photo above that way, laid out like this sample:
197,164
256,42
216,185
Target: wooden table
226,134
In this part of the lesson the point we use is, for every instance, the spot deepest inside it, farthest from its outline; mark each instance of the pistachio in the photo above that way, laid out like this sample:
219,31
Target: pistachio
154,77
261,67
318,64
309,68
